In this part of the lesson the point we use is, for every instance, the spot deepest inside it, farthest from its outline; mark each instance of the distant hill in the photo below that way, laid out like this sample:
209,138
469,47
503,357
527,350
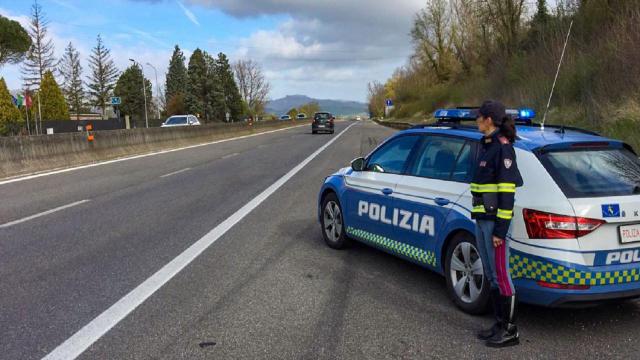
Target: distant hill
337,107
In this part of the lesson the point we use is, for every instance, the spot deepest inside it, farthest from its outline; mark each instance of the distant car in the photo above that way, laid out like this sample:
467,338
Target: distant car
301,116
323,121
358,118
285,117
181,120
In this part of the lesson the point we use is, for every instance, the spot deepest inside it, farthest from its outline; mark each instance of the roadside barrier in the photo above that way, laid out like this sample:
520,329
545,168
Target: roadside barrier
28,154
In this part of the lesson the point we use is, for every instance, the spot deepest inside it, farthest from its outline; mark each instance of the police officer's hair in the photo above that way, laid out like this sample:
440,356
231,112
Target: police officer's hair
505,124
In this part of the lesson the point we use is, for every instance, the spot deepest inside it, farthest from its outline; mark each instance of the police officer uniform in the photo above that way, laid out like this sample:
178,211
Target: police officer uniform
493,190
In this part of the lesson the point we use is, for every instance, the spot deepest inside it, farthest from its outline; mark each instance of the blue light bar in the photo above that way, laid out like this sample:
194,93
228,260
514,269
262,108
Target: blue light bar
464,114
527,114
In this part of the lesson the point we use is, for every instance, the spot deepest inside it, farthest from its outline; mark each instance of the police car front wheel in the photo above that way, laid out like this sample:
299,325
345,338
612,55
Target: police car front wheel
333,229
465,278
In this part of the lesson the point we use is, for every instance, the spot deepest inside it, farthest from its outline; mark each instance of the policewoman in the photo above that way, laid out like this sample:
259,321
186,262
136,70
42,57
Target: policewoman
493,189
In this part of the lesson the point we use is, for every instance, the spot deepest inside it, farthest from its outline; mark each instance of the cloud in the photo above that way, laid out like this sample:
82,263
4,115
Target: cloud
366,39
188,14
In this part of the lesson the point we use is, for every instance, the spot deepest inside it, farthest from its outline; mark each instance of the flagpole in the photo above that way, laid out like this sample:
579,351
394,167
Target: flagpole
26,110
39,128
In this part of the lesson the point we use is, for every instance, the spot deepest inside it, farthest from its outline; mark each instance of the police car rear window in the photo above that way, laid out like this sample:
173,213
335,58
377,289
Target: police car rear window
594,172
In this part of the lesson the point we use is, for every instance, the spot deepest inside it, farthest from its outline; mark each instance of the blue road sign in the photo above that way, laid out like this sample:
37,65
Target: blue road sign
389,102
115,100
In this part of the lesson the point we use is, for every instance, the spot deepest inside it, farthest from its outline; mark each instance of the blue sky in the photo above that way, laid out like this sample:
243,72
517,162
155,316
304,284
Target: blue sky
324,49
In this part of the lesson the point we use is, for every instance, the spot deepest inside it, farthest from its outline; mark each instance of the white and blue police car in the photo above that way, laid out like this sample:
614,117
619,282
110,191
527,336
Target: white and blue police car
575,235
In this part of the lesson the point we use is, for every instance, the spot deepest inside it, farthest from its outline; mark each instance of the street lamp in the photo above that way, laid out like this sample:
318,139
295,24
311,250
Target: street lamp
144,91
157,88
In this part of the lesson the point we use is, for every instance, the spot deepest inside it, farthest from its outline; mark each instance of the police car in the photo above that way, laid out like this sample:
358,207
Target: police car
575,234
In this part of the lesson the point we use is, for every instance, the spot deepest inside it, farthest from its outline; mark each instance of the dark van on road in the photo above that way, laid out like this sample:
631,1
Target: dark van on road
322,121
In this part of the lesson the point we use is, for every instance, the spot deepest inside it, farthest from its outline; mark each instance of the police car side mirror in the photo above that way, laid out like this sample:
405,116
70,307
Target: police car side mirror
358,164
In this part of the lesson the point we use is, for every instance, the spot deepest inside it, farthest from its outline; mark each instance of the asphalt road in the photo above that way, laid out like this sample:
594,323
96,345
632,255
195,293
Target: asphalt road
267,289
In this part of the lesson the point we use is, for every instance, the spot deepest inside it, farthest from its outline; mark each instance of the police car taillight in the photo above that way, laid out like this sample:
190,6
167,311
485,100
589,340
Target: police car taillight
562,286
543,225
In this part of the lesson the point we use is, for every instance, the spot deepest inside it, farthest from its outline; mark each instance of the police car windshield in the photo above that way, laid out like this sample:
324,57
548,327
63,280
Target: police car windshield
177,120
595,173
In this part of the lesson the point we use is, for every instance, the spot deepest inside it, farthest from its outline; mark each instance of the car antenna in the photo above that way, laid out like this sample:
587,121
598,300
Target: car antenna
544,117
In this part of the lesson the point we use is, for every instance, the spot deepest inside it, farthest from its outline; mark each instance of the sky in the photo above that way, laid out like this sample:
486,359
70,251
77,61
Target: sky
326,49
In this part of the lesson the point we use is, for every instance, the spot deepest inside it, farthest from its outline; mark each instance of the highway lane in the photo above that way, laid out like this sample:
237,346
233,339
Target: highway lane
269,288
65,268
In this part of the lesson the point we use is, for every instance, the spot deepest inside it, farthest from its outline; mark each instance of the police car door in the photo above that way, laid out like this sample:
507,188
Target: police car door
369,193
434,183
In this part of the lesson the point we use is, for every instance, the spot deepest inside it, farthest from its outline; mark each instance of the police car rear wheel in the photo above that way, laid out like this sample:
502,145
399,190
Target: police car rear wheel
465,276
332,223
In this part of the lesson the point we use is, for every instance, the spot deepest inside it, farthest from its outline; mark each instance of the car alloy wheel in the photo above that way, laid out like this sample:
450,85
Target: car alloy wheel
332,221
466,272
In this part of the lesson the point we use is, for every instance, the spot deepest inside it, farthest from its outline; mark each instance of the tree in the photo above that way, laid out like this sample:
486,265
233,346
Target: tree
129,89
376,92
310,109
196,96
293,112
215,106
252,84
53,106
506,15
10,116
232,98
433,35
71,71
40,57
176,105
14,41
103,76
176,81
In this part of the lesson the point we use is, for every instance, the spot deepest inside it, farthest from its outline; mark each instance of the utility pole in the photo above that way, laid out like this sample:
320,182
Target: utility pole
157,88
144,92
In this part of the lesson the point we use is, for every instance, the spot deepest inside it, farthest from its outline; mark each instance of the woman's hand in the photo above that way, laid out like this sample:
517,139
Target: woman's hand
497,241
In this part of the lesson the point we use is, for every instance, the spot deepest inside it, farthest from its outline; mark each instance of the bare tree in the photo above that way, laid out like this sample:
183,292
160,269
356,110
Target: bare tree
40,57
506,15
254,87
433,35
72,86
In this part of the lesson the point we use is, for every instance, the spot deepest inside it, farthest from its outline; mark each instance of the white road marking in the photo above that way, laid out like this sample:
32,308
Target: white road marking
90,333
175,172
64,170
230,155
44,213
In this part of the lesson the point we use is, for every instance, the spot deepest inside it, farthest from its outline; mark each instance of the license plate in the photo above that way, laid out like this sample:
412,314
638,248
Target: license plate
320,126
629,233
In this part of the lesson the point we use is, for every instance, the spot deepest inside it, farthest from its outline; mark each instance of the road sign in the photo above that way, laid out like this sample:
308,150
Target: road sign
115,100
388,102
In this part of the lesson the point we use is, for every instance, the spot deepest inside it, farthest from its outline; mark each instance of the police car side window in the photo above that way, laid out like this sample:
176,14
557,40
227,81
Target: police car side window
392,157
439,159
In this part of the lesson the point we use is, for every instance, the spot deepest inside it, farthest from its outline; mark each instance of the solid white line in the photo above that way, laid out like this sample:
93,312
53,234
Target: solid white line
175,172
90,333
64,170
3,226
230,155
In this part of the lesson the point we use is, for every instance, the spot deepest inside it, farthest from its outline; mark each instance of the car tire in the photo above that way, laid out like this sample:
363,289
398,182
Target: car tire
332,223
466,284
314,132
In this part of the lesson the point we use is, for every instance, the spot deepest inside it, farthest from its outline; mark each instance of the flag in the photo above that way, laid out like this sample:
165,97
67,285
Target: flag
20,102
27,100
15,101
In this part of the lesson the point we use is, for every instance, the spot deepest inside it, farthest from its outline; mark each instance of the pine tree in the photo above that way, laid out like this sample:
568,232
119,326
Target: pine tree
10,116
176,82
40,57
129,89
14,41
103,76
232,99
196,96
72,88
53,107
214,104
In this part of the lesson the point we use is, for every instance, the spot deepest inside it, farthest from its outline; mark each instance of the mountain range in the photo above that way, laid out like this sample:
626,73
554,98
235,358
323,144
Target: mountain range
336,107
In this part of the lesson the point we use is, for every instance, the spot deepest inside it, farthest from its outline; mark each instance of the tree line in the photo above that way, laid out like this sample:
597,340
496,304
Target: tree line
469,50
56,89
